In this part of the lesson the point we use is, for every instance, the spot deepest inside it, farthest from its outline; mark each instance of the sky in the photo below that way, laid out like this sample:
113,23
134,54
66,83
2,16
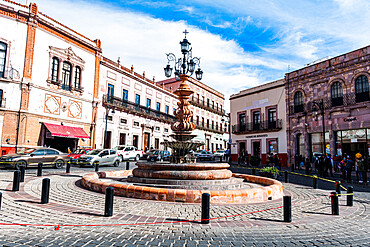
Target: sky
241,43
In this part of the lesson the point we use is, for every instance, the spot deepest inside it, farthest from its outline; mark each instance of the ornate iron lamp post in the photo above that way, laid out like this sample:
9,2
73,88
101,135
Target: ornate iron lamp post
106,123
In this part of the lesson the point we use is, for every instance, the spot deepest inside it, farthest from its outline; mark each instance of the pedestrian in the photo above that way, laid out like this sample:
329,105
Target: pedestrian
246,157
342,166
360,167
277,161
328,166
336,160
241,156
308,166
227,152
349,166
321,167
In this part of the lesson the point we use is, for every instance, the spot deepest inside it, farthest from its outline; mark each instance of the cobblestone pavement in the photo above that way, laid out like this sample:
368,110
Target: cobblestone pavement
79,214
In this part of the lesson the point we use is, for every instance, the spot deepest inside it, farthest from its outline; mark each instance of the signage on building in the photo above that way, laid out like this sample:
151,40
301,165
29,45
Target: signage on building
256,136
350,119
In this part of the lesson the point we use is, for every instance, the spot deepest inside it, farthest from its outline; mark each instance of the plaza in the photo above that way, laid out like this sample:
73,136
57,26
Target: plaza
75,217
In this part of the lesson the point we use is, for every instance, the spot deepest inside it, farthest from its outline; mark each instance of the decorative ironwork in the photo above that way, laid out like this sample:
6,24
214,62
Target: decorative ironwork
251,127
200,103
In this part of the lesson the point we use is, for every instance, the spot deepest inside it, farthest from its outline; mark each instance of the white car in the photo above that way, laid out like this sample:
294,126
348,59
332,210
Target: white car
101,156
219,153
128,152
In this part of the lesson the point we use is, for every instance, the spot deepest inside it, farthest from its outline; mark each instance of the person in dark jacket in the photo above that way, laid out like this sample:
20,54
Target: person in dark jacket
350,164
328,166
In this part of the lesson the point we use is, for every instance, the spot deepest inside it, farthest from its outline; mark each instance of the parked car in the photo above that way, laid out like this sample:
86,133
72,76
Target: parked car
101,156
159,155
147,153
73,157
204,155
32,156
128,152
219,153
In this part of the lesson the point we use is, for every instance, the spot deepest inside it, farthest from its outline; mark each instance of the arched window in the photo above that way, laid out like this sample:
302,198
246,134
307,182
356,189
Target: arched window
77,79
362,89
298,102
336,94
54,70
66,75
3,47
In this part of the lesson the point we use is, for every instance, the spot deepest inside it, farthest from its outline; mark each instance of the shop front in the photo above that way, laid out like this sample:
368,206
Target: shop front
61,137
350,142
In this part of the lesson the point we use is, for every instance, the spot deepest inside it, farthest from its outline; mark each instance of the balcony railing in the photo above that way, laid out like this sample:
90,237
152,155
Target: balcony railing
203,126
131,107
257,127
203,104
329,103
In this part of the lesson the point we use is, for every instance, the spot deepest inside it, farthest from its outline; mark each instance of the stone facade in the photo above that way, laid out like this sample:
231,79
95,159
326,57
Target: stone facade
331,95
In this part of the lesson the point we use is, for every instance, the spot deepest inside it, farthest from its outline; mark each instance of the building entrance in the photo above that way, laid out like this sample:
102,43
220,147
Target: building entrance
61,143
353,148
146,141
256,148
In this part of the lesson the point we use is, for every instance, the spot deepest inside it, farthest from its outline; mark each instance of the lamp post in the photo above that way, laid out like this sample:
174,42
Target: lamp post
228,141
106,122
320,106
186,64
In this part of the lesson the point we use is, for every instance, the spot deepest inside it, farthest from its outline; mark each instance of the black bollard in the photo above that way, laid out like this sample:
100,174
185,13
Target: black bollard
286,177
1,198
16,180
108,201
23,172
292,167
287,209
39,169
253,171
127,165
350,196
206,197
96,164
334,203
314,181
45,191
337,187
68,167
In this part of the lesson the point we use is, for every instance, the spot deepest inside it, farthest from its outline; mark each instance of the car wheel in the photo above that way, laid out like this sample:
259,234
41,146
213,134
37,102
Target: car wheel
20,163
116,163
59,164
152,160
137,157
121,157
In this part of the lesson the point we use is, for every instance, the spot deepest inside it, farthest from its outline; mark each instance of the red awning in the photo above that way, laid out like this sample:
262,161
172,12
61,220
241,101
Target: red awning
66,131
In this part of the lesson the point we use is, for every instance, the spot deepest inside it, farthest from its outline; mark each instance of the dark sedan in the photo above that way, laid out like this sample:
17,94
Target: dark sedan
32,156
159,156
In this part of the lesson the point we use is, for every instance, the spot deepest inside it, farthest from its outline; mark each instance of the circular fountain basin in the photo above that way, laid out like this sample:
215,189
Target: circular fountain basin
264,189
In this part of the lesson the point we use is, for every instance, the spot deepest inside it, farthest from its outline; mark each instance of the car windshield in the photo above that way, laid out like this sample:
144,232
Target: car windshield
156,152
94,152
119,148
27,151
79,151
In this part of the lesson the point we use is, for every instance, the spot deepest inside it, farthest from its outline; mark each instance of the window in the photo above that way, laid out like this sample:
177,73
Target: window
272,118
213,104
3,47
110,118
77,79
51,152
207,102
54,70
113,152
174,110
66,76
213,124
217,106
202,121
207,123
39,152
137,99
157,128
298,102
362,89
123,121
336,94
156,143
158,106
165,130
110,93
124,94
256,120
1,98
242,123
136,124
166,109
197,120
148,103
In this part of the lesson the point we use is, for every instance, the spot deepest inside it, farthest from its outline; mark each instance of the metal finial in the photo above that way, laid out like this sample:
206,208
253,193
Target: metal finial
185,32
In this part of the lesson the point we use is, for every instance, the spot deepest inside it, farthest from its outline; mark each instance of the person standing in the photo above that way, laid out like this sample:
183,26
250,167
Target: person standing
342,165
246,157
360,167
349,166
328,166
277,161
307,166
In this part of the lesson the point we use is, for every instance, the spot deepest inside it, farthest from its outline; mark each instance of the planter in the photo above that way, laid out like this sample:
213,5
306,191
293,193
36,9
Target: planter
268,175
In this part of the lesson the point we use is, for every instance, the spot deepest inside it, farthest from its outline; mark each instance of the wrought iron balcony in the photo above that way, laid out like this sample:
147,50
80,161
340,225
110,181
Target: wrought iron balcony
349,99
203,126
264,126
207,106
132,108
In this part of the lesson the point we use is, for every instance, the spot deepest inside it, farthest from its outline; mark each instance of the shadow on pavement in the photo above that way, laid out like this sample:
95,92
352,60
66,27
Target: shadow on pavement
28,201
255,218
89,213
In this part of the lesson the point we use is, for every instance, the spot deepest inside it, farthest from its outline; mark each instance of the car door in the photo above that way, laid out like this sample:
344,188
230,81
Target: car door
112,156
50,155
36,157
104,157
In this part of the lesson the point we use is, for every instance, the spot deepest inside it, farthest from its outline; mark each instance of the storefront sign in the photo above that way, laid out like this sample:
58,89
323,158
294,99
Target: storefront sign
256,136
353,140
350,119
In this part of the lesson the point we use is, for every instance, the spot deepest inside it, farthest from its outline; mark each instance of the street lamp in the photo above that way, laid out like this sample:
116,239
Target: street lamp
106,123
186,64
229,129
319,105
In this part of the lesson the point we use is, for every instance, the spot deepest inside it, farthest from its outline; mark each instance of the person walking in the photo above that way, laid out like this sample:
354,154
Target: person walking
349,166
246,157
342,165
307,166
277,161
328,166
336,163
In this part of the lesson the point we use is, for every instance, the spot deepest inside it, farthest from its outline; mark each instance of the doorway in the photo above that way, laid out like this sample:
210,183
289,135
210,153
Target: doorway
353,148
108,140
146,141
256,145
135,139
122,139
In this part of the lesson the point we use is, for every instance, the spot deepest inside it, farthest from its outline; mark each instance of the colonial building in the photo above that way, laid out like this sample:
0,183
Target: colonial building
330,100
48,81
133,109
258,122
208,113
